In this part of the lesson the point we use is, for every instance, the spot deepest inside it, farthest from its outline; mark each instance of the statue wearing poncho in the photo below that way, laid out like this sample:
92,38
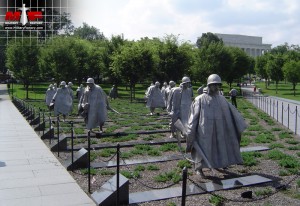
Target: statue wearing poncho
94,102
63,101
216,127
49,95
155,98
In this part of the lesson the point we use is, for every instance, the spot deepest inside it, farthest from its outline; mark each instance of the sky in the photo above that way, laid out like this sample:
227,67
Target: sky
276,21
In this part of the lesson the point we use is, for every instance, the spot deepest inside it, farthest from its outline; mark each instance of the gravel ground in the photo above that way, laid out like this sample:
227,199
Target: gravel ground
265,167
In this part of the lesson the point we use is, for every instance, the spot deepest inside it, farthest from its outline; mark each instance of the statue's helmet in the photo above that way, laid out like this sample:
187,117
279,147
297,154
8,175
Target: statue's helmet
172,83
90,81
186,80
157,83
70,84
63,83
214,79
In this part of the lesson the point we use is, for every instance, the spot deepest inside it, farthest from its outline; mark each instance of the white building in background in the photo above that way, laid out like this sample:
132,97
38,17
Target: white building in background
252,45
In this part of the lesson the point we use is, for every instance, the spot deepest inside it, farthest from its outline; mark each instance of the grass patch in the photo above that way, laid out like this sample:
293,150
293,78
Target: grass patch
256,127
292,141
106,172
265,138
284,135
85,171
263,192
289,162
184,163
294,148
80,141
245,141
130,175
276,129
152,167
249,133
173,176
154,152
216,200
126,155
168,147
139,168
106,152
129,137
112,128
249,158
283,173
152,137
292,193
276,145
275,155
171,204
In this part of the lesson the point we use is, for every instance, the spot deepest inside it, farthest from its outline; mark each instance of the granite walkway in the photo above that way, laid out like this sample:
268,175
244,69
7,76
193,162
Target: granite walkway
29,173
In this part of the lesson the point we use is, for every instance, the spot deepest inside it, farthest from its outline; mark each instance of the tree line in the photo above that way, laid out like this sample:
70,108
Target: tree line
85,52
281,63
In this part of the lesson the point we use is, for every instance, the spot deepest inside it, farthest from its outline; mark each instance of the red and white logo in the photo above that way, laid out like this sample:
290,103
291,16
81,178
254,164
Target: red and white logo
24,19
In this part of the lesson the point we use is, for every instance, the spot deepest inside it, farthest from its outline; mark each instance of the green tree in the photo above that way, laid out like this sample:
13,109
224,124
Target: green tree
22,60
3,43
132,62
291,72
82,50
109,47
173,56
97,60
58,59
88,32
213,58
274,68
281,49
241,64
208,38
260,67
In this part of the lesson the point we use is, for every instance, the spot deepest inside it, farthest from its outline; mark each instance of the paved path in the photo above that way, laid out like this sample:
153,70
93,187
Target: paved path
29,173
285,111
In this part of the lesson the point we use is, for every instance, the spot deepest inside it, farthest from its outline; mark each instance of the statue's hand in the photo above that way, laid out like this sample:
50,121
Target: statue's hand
86,106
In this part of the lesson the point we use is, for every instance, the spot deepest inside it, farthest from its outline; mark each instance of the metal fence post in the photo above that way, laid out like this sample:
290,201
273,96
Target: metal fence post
118,175
184,181
282,113
288,116
44,122
273,108
277,110
50,126
72,142
296,119
89,162
57,135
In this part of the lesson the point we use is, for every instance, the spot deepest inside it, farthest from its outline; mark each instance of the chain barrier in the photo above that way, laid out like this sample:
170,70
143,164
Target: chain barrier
278,189
293,112
285,110
103,160
142,183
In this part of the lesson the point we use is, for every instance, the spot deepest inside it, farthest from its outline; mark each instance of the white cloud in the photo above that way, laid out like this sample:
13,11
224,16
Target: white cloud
277,21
